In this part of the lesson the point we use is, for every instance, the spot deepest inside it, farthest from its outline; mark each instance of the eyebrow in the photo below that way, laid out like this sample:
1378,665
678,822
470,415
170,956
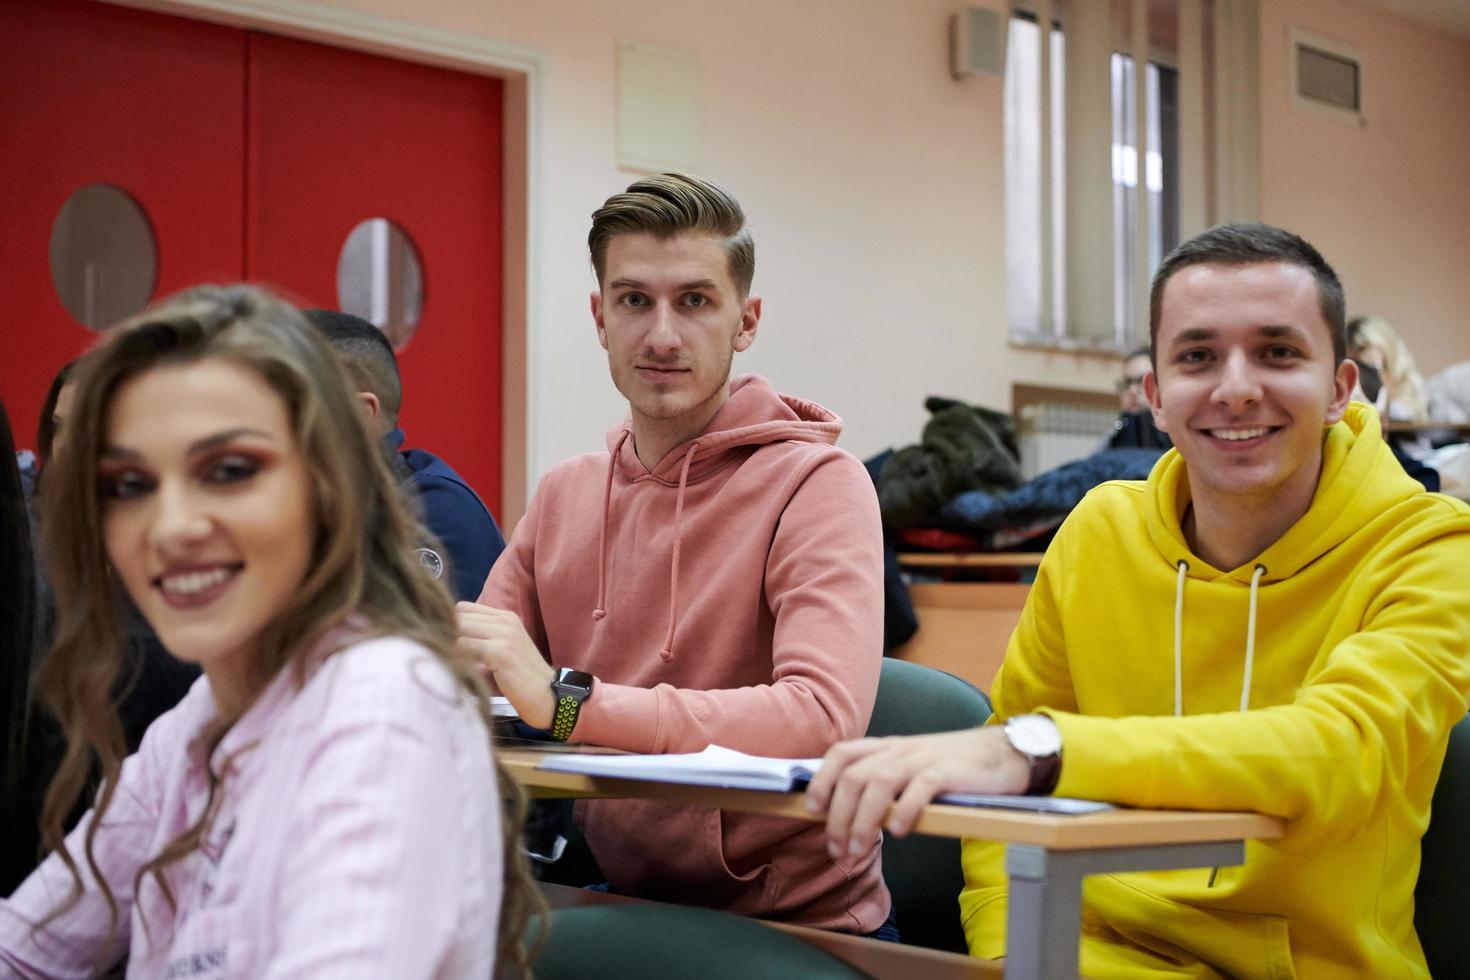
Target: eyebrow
682,287
198,446
1197,334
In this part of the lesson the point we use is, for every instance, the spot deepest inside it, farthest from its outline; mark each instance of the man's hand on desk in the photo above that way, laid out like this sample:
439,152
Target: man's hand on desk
859,780
498,642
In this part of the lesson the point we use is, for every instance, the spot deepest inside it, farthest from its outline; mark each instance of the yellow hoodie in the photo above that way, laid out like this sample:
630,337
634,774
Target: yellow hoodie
1358,667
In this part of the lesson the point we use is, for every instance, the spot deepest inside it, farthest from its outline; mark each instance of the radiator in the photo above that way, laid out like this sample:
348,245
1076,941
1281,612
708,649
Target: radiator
1054,433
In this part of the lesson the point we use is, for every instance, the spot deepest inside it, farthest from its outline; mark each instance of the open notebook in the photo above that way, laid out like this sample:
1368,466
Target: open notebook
718,766
501,708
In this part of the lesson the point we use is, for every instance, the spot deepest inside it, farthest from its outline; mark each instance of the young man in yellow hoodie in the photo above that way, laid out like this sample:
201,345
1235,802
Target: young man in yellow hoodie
1277,620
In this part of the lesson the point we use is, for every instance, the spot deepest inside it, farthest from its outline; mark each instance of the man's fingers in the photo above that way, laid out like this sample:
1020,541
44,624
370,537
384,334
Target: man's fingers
861,784
819,790
919,793
868,817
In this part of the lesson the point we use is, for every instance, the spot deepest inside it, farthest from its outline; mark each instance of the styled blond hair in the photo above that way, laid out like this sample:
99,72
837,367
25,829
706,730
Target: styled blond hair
666,205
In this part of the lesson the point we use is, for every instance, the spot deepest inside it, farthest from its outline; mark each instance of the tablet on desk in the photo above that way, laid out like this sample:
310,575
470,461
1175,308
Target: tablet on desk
1033,804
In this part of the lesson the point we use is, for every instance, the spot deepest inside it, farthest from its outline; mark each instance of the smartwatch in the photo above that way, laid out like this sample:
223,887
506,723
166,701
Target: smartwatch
1038,739
570,688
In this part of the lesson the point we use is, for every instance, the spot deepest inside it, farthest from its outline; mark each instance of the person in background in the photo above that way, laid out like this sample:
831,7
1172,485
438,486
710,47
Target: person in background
714,577
325,801
1136,367
54,410
1372,340
1312,596
467,539
20,629
1134,428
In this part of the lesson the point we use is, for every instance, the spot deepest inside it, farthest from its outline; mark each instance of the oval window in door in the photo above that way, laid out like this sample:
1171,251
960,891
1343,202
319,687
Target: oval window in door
104,258
380,278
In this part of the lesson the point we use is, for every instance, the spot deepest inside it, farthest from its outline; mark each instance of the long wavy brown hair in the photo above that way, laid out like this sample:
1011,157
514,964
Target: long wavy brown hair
363,563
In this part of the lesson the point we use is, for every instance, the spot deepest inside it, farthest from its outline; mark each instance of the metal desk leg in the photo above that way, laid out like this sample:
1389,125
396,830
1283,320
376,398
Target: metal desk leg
1044,921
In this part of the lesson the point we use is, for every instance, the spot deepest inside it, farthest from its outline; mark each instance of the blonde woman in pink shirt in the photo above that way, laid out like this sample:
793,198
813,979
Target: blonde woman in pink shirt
323,802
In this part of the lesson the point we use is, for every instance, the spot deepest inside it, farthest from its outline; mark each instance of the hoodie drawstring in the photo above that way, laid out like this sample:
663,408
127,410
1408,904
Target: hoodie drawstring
667,653
1250,640
1250,652
612,466
1178,630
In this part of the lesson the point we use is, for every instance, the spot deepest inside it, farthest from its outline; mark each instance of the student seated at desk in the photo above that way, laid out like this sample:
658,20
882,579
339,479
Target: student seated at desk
715,576
1275,621
323,802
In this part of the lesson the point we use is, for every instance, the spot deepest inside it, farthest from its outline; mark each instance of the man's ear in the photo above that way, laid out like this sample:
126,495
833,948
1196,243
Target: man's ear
371,406
750,320
596,303
1344,380
1155,403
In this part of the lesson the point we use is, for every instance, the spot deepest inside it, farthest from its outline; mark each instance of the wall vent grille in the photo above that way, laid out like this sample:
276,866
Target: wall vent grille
1328,78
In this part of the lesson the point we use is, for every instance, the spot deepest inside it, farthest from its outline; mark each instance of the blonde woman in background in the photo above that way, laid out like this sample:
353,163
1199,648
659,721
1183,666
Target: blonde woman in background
324,801
1372,340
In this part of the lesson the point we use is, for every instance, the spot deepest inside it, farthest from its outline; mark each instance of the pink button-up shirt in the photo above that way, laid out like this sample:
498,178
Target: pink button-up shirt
358,836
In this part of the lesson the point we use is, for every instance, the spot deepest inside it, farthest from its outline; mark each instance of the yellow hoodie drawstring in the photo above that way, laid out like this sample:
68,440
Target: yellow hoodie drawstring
667,653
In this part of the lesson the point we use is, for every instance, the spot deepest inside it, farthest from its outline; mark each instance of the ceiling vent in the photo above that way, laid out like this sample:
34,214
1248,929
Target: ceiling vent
1326,76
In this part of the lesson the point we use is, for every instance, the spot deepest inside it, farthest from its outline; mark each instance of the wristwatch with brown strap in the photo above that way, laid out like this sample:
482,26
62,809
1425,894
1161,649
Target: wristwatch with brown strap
1039,740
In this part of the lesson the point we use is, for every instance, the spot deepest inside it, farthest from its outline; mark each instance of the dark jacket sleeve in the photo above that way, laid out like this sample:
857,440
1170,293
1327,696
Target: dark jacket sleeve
471,539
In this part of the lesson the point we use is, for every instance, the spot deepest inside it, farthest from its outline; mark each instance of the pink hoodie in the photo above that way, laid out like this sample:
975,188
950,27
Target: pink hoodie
732,596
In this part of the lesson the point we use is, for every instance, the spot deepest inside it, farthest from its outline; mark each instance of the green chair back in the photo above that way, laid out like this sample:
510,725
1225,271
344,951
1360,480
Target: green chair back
1439,897
640,941
923,873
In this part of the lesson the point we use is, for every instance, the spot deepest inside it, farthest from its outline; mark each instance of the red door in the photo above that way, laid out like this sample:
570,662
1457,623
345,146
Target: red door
337,137
91,93
252,157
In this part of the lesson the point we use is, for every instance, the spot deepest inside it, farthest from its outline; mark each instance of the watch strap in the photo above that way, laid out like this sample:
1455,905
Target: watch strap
570,688
1046,770
568,706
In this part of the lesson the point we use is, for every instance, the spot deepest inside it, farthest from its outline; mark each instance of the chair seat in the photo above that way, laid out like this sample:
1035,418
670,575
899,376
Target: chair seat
923,873
637,941
1439,897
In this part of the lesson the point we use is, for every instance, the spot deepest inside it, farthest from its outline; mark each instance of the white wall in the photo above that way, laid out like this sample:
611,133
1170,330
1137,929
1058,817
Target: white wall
872,180
1388,203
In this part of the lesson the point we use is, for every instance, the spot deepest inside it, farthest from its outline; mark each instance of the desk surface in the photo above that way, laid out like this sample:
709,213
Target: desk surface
1115,828
969,559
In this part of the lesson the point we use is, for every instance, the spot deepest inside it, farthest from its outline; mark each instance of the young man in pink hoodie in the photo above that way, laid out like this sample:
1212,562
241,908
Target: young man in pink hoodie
714,577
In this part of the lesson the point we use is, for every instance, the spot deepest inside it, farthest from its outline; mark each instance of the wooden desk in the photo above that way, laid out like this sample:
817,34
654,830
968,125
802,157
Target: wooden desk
969,559
1394,428
1046,856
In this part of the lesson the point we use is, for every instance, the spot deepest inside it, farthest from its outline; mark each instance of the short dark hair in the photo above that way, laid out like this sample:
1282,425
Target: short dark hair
1248,243
666,205
366,353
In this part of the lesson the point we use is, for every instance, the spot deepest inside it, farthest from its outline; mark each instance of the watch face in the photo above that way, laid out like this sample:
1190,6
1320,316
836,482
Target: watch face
1034,735
575,681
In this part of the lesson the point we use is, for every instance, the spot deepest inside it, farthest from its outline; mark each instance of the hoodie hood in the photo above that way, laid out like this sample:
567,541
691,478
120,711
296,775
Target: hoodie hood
1360,478
754,415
